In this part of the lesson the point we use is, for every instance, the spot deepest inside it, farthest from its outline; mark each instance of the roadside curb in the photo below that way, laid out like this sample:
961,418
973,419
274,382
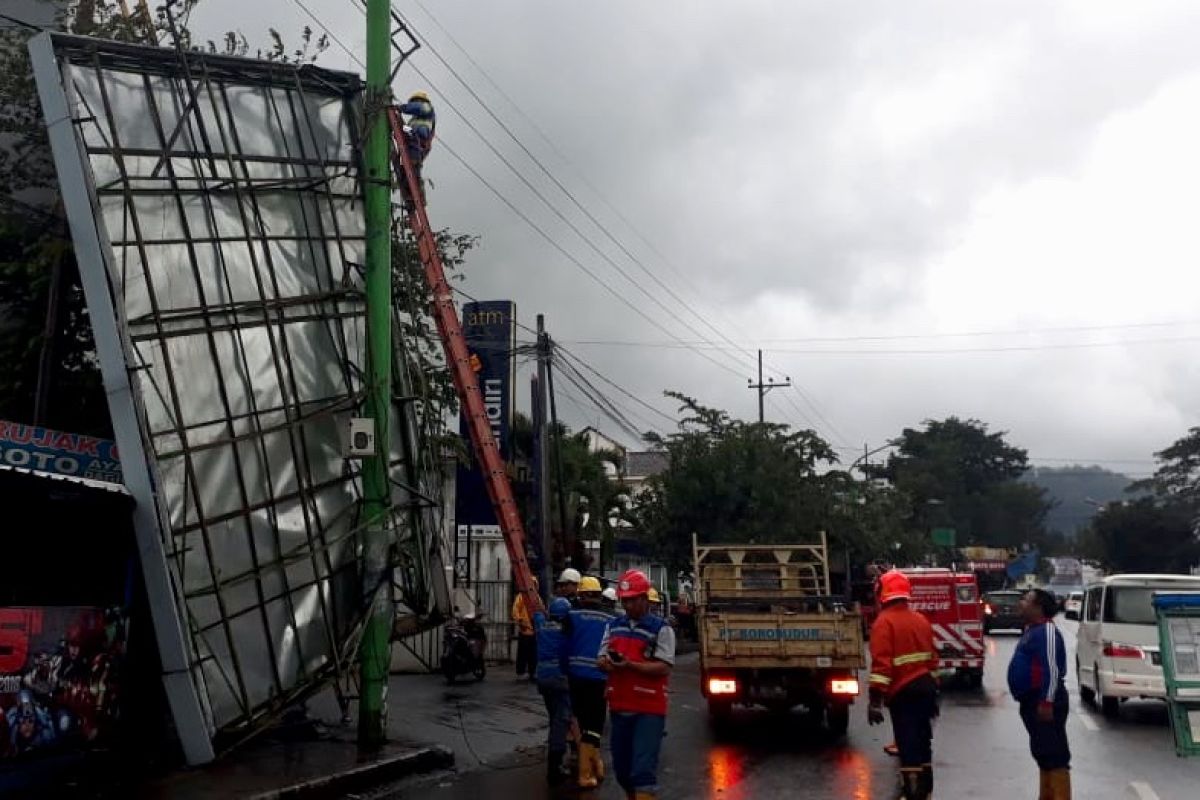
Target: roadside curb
365,776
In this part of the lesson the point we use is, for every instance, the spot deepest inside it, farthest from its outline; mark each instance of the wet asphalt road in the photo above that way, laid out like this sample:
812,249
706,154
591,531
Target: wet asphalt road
980,751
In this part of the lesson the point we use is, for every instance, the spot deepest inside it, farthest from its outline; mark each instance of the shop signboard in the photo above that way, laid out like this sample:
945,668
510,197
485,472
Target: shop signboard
70,454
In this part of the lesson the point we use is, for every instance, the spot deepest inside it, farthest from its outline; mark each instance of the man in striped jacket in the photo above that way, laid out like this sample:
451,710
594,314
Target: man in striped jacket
1037,680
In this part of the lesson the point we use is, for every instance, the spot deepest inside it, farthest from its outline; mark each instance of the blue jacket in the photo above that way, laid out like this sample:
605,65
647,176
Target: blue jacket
1038,670
585,630
551,647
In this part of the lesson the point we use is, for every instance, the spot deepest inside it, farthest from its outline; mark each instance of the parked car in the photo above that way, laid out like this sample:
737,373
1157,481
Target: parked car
1072,605
1000,610
1117,656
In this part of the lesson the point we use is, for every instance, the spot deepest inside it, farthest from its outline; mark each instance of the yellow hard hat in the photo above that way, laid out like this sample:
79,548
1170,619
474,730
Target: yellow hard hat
419,96
653,595
589,584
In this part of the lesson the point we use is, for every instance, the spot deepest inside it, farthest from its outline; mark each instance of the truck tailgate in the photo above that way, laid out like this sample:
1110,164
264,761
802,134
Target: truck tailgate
782,639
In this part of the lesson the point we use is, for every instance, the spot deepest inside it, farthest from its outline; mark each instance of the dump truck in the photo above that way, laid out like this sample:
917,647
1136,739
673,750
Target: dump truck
772,634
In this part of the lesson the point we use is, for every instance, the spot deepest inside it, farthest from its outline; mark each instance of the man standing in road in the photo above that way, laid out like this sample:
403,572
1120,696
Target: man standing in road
585,628
637,653
1037,680
903,658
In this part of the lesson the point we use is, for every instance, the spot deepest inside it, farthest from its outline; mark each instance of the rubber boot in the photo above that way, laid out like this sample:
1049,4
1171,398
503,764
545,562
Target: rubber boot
910,784
642,794
1060,784
1044,790
597,763
927,780
587,766
554,768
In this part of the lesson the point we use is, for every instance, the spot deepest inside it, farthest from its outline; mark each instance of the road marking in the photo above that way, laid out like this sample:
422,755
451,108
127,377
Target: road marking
1088,722
1143,791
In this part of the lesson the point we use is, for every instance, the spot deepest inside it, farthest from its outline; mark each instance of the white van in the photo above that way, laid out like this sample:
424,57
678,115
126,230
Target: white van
1116,654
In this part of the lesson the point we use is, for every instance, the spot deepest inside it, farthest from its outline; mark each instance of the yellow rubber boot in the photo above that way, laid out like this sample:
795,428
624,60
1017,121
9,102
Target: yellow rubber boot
597,763
587,766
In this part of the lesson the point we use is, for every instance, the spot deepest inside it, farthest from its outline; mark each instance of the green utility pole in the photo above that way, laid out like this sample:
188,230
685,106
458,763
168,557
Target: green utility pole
375,651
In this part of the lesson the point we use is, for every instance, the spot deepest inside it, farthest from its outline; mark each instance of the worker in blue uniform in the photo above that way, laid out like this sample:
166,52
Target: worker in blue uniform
584,629
551,676
418,135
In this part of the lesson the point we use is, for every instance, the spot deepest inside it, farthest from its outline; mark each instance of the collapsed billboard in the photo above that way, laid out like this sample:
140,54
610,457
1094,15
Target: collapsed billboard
214,204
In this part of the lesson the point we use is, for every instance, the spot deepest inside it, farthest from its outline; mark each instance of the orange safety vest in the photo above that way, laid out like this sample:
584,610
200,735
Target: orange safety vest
902,649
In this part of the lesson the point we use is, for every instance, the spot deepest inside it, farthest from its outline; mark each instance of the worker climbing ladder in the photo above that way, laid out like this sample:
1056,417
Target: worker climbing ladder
458,358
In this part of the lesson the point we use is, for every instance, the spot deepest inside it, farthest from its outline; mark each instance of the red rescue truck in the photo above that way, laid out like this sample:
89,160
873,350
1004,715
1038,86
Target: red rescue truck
950,600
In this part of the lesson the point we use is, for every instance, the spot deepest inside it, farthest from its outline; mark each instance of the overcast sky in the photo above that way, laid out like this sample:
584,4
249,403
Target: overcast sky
884,177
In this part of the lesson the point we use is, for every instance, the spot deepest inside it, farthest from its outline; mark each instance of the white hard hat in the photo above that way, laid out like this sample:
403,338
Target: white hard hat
570,575
609,594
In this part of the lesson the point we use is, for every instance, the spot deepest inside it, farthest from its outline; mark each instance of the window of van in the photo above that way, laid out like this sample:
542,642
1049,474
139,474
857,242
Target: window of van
1130,605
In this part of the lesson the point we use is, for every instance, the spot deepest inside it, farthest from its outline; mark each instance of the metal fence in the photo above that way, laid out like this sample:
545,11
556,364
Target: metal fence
493,601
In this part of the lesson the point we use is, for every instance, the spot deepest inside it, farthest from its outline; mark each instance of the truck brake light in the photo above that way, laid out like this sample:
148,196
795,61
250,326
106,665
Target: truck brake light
848,686
1118,650
717,686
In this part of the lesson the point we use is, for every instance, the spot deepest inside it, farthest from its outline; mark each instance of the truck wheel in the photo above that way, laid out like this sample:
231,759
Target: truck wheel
975,678
837,719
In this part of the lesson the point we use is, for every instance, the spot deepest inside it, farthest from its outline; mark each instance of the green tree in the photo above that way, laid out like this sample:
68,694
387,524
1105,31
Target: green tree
733,481
1143,535
957,474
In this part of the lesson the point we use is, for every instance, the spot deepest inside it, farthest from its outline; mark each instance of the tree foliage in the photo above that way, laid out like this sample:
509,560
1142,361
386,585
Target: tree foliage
957,474
734,481
1160,530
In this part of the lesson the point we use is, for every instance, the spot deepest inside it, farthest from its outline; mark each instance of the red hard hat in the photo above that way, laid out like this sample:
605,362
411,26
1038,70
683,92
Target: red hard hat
894,585
632,583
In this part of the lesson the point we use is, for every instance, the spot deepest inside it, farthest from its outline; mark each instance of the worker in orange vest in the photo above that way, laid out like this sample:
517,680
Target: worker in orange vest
903,660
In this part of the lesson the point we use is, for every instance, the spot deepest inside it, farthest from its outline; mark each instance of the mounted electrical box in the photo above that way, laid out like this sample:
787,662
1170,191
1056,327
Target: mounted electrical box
361,443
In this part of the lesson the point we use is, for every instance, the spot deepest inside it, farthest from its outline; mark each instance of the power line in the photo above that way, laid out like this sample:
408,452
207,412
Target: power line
906,352
554,208
565,353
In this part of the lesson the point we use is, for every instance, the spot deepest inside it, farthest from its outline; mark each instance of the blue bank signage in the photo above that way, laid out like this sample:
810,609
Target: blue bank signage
490,329
71,454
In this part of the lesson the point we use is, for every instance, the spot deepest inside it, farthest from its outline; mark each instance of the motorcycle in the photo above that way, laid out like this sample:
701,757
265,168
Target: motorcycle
463,646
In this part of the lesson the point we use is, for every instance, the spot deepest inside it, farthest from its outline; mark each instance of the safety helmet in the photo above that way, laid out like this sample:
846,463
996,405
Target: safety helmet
894,585
589,583
609,594
418,96
560,607
633,582
653,595
569,575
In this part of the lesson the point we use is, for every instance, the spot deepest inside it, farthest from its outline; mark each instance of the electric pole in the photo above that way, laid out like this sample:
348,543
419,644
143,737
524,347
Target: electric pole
568,539
763,388
543,457
375,653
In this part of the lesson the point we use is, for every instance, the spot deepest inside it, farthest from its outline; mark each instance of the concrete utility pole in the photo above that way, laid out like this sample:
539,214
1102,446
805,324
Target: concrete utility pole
763,388
541,422
375,651
568,540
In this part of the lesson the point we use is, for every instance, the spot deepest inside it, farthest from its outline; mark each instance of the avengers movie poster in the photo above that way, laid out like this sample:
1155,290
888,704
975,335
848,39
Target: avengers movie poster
59,678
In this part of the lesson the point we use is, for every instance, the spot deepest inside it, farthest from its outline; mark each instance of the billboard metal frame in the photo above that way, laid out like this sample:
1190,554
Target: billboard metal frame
277,301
